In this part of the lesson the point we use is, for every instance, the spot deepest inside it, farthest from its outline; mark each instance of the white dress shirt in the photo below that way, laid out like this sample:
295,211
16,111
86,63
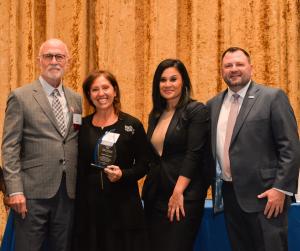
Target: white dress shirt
62,98
222,124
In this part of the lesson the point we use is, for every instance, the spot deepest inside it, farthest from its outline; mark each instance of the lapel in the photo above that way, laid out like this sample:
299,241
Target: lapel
249,100
151,127
172,127
41,98
170,130
71,103
173,124
215,112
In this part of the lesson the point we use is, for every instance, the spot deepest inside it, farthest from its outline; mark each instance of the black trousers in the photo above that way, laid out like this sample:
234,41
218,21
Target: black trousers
177,235
253,231
47,221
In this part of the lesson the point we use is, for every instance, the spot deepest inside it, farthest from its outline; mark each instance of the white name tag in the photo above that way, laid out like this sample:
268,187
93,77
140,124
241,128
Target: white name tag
110,138
77,119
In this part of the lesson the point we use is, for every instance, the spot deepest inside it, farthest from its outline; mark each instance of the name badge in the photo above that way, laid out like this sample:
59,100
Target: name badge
77,119
110,138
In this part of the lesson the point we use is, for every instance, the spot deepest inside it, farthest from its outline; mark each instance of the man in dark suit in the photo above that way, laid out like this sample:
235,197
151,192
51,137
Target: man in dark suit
255,145
39,153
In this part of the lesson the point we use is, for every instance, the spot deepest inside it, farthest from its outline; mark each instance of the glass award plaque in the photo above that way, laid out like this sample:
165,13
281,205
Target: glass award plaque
105,154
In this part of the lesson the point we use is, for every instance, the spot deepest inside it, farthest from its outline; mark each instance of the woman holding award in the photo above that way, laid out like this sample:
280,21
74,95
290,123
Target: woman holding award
175,188
112,158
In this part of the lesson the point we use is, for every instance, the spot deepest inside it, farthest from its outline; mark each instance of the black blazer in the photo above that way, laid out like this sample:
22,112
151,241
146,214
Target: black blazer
185,153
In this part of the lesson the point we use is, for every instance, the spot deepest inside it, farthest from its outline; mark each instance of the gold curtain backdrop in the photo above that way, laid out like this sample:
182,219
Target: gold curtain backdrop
130,37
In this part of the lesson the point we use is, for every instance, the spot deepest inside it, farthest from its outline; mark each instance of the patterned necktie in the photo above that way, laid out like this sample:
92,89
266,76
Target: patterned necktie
58,111
233,113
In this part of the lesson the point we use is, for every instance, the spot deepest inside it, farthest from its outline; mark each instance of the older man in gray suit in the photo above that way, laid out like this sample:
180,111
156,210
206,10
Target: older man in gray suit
255,144
39,152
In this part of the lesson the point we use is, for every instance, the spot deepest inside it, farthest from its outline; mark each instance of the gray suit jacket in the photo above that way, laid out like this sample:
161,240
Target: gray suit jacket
264,150
34,153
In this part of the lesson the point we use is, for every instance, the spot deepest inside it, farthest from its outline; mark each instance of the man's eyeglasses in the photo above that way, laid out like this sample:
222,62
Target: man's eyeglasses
58,57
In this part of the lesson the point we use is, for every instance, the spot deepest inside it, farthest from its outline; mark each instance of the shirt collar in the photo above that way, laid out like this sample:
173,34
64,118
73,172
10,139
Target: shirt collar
241,92
49,88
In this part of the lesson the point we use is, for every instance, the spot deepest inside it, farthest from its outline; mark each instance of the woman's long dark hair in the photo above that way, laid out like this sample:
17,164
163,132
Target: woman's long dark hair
159,103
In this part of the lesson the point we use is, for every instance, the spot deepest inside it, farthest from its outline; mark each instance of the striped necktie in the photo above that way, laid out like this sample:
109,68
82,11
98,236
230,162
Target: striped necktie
58,111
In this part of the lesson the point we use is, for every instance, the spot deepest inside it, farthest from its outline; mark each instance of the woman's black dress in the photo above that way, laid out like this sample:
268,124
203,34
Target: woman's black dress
112,218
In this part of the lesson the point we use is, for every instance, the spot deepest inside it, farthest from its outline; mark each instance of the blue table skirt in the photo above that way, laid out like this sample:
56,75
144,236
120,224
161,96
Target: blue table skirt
8,241
212,235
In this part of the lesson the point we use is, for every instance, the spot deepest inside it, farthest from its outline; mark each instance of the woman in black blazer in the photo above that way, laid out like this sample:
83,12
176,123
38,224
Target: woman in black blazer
175,188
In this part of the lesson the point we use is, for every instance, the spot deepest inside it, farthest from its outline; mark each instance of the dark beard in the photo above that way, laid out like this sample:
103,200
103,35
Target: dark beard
237,86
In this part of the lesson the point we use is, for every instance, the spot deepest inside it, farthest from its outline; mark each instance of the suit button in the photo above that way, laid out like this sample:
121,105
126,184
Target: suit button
64,142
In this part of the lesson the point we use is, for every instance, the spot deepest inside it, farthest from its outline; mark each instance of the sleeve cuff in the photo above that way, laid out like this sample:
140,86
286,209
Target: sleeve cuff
285,192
